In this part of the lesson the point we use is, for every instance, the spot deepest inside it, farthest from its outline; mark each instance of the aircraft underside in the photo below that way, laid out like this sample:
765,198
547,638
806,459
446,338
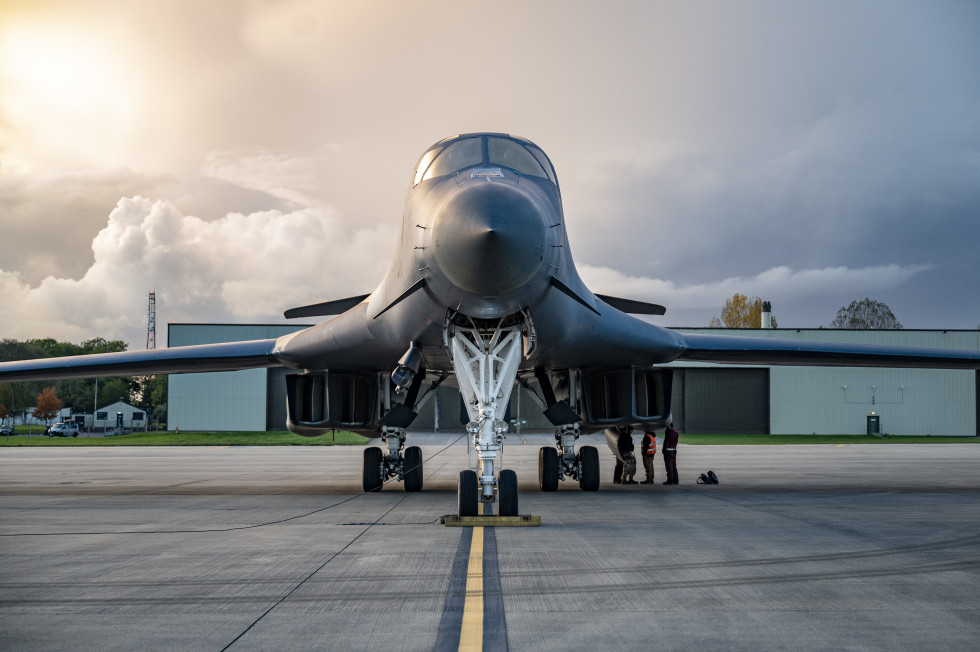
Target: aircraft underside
487,358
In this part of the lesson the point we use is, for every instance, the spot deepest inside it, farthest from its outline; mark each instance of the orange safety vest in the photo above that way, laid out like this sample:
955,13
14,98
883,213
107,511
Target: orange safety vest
649,444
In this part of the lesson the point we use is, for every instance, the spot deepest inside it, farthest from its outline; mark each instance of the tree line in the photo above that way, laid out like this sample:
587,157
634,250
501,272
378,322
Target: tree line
20,400
743,312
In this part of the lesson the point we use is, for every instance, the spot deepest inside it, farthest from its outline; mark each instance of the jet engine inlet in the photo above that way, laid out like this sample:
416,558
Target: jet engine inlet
489,239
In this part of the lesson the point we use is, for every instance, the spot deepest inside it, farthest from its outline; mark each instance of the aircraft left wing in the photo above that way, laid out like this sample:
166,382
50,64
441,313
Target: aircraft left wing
730,349
230,356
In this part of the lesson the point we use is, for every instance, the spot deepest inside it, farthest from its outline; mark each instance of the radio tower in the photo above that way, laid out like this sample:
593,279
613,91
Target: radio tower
151,322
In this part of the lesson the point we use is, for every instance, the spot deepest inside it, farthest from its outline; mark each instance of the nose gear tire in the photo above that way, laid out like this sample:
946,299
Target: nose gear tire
467,493
507,492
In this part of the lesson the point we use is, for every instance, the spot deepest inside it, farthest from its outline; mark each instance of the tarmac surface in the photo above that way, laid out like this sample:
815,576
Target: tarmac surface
860,547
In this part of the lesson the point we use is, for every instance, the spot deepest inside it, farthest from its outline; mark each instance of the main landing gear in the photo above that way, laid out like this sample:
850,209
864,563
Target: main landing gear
403,463
554,464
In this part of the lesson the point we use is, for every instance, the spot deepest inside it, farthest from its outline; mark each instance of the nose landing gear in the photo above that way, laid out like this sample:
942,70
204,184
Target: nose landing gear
485,357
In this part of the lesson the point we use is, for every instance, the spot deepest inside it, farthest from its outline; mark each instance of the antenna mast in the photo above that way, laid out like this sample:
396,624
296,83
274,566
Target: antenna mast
151,322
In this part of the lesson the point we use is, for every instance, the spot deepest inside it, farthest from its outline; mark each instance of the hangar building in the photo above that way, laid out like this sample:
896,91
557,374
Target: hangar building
706,397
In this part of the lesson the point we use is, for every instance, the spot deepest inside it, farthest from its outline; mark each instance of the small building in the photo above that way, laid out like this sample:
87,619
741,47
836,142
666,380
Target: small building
118,415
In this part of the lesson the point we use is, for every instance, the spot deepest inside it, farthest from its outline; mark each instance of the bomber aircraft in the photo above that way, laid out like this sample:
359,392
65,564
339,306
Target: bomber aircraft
482,293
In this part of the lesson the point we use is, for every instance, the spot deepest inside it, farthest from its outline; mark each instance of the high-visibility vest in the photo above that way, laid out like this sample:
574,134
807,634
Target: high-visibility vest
649,444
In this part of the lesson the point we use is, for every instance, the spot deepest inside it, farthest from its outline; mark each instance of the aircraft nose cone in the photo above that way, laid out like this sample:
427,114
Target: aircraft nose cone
489,239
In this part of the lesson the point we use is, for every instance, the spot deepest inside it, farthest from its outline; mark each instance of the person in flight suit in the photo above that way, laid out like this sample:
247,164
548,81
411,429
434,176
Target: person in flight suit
670,454
625,445
648,450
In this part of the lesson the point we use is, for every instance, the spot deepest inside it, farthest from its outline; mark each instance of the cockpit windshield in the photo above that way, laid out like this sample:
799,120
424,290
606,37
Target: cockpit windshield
452,155
458,155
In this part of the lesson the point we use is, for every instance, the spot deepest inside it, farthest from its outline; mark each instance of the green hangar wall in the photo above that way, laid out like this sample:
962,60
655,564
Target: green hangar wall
706,397
830,400
229,400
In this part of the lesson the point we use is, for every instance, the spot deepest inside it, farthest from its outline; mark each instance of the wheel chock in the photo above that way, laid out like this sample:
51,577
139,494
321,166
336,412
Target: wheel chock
490,520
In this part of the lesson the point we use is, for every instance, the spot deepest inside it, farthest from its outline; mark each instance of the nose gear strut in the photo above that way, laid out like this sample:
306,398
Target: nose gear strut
486,355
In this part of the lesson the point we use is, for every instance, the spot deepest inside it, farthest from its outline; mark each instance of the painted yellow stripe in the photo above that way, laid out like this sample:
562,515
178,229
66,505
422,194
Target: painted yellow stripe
471,634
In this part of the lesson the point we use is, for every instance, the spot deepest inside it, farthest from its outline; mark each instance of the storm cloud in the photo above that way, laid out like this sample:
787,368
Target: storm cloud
248,157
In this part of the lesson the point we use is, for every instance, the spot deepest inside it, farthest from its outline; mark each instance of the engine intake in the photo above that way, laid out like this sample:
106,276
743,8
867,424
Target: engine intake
325,400
628,396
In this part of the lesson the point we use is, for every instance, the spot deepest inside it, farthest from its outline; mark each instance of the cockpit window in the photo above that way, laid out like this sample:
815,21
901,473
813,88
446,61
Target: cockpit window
545,163
461,154
511,154
483,149
424,163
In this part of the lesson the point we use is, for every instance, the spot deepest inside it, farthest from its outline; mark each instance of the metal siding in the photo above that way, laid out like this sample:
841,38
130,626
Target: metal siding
678,412
275,405
426,420
227,400
958,339
808,400
726,400
449,408
223,401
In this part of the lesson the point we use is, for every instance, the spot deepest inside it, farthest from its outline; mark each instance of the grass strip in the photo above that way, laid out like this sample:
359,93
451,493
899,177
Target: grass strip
283,438
764,440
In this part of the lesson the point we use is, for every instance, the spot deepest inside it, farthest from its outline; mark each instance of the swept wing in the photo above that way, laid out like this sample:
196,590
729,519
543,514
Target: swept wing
729,349
231,356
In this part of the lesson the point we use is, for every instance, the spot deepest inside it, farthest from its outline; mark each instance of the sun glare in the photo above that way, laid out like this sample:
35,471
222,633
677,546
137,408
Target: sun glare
57,70
60,88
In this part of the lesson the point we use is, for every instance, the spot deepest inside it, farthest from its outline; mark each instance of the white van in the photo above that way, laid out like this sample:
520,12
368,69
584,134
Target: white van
64,430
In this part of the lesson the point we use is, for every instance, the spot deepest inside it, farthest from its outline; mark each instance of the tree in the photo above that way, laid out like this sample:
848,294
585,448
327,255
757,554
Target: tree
112,390
866,314
740,312
48,405
76,393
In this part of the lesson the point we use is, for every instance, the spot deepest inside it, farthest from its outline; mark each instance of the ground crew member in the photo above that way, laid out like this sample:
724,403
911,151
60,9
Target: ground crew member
670,454
625,445
648,450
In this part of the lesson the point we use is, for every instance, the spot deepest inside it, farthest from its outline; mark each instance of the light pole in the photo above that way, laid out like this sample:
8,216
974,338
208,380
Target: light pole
95,403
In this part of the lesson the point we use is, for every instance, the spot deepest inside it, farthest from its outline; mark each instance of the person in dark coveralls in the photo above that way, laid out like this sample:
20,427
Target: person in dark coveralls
625,445
648,451
670,454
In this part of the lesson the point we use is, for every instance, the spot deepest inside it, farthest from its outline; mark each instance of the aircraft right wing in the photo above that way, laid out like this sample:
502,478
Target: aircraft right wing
731,349
229,356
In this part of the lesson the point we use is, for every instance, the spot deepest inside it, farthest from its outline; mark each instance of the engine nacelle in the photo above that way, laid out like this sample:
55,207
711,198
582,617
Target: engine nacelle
321,401
634,395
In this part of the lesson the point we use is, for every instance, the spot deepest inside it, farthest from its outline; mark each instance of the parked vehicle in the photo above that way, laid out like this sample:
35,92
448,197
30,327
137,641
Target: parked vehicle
6,430
64,430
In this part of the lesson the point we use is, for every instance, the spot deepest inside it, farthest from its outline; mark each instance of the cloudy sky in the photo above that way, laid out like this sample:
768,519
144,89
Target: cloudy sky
241,158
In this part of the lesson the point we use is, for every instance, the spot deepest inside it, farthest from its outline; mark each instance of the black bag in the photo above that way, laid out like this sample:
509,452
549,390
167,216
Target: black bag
708,478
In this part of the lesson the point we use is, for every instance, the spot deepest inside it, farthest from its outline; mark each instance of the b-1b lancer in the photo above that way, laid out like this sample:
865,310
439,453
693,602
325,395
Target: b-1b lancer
482,292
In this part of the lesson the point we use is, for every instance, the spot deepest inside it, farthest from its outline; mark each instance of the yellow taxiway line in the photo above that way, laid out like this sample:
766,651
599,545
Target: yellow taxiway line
471,633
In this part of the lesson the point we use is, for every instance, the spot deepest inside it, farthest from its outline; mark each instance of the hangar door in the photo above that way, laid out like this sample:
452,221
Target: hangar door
721,400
